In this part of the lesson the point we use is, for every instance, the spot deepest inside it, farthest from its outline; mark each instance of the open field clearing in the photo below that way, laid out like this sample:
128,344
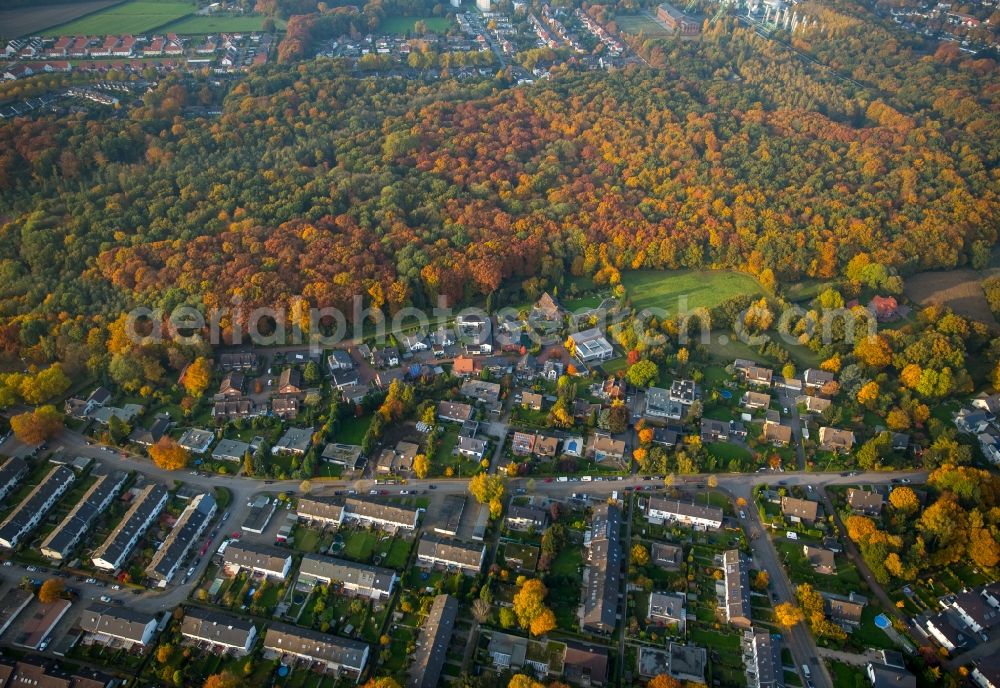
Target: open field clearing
957,289
195,24
137,16
30,20
701,288
636,23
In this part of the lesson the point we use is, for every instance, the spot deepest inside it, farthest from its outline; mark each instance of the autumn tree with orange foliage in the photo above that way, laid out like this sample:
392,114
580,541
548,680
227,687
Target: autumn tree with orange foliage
168,454
224,679
382,682
664,681
34,427
51,590
197,376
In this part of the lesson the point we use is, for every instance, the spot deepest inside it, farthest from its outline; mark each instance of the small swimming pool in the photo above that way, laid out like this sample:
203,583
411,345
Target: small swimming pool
882,621
726,394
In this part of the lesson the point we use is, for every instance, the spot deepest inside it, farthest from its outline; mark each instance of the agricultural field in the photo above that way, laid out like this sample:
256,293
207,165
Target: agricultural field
641,23
957,289
135,16
403,25
29,20
195,25
701,288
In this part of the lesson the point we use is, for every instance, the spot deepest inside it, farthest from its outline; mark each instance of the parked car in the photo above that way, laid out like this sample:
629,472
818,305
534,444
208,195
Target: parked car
105,599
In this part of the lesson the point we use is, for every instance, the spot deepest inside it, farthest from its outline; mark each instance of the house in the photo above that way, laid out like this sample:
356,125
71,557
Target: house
821,560
32,509
322,511
464,365
756,400
454,411
373,582
285,407
762,659
721,431
239,360
757,376
799,510
147,437
230,450
816,379
471,447
736,587
864,502
547,309
294,441
526,368
884,308
116,548
546,445
605,448
666,437
343,379
232,384
82,408
590,345
453,555
978,609
974,422
486,392
399,459
11,473
945,630
602,570
683,392
659,404
531,400
218,630
95,501
511,652
387,357
891,672
415,343
668,609
196,440
585,665
526,518
432,644
687,663
355,394
243,407
986,673
192,522
552,369
612,388
290,381
776,433
990,403
387,516
339,360
340,655
347,455
124,624
661,510
847,611
264,560
666,556
836,440
813,404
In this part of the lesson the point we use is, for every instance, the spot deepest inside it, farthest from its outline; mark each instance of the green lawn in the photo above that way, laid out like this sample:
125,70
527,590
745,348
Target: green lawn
701,288
359,545
405,24
847,676
353,430
640,23
728,452
135,17
218,24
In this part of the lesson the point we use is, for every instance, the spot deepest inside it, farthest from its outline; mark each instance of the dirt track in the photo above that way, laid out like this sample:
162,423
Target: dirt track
958,289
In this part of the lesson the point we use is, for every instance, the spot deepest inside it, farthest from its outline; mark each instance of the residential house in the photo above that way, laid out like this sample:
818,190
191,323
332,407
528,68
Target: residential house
799,510
223,631
340,655
585,665
865,502
123,624
264,560
552,369
454,412
290,381
816,379
116,548
945,630
762,657
971,421
836,440
229,409
321,511
590,345
95,501
659,405
285,407
661,510
230,450
757,376
373,582
986,672
547,309
666,556
667,437
339,361
527,368
531,400
486,392
192,522
713,430
845,611
415,343
238,360
821,560
344,379
613,388
397,460
432,644
668,609
232,384
683,392
978,609
813,404
32,509
526,518
471,447
990,403
756,400
12,472
196,440
776,433
884,308
347,455
603,447
602,572
294,441
736,586
891,672
465,366
546,445
382,515
453,555
147,437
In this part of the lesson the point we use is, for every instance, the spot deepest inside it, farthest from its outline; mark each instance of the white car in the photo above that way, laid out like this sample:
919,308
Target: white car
743,514
116,587
105,599
373,492
31,569
792,535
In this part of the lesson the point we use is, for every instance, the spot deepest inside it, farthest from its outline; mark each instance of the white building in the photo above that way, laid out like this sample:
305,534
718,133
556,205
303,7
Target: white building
660,510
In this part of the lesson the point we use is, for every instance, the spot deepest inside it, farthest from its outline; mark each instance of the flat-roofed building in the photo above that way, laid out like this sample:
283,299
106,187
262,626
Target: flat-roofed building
450,554
230,633
230,450
736,584
189,527
347,455
29,513
525,517
263,559
38,622
342,655
374,582
591,345
146,507
107,623
450,514
661,510
432,644
81,517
